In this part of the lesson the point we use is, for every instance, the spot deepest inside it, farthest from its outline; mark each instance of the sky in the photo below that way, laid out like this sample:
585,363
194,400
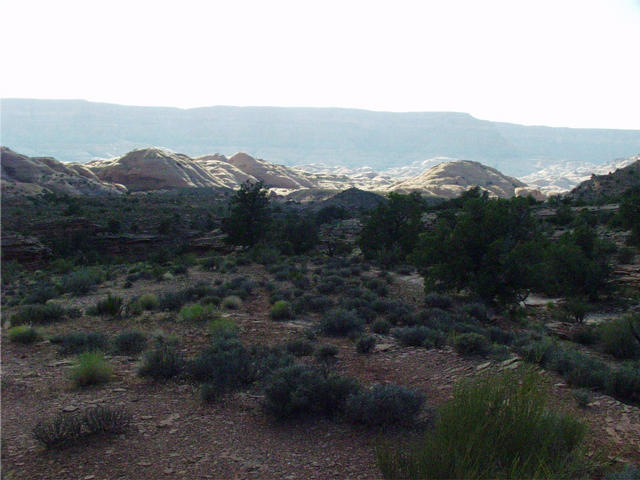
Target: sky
572,63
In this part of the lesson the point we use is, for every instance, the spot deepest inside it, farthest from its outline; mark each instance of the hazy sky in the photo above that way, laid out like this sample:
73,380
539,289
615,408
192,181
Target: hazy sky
560,62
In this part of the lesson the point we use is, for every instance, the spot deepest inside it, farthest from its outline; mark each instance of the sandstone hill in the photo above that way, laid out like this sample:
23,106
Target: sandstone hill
451,179
609,186
153,169
22,175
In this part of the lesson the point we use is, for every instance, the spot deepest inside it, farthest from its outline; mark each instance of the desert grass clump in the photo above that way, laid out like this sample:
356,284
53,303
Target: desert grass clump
91,368
339,322
163,361
130,342
61,431
22,334
366,344
384,405
66,429
102,419
148,301
281,310
494,427
110,306
232,302
222,326
196,313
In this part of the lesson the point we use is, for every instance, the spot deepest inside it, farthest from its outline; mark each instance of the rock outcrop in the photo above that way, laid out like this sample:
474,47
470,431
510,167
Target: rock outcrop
531,192
609,186
451,179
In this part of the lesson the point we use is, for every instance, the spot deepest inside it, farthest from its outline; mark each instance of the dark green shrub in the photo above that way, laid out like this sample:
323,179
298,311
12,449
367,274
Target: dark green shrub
495,427
163,361
78,342
438,300
109,306
130,342
61,431
281,310
624,382
326,353
311,303
39,314
477,311
384,405
418,336
629,472
22,334
101,419
471,344
378,285
299,348
210,392
500,336
582,397
617,338
626,255
266,360
381,326
91,368
366,344
226,364
585,335
340,322
41,293
330,284
299,391
82,281
172,300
